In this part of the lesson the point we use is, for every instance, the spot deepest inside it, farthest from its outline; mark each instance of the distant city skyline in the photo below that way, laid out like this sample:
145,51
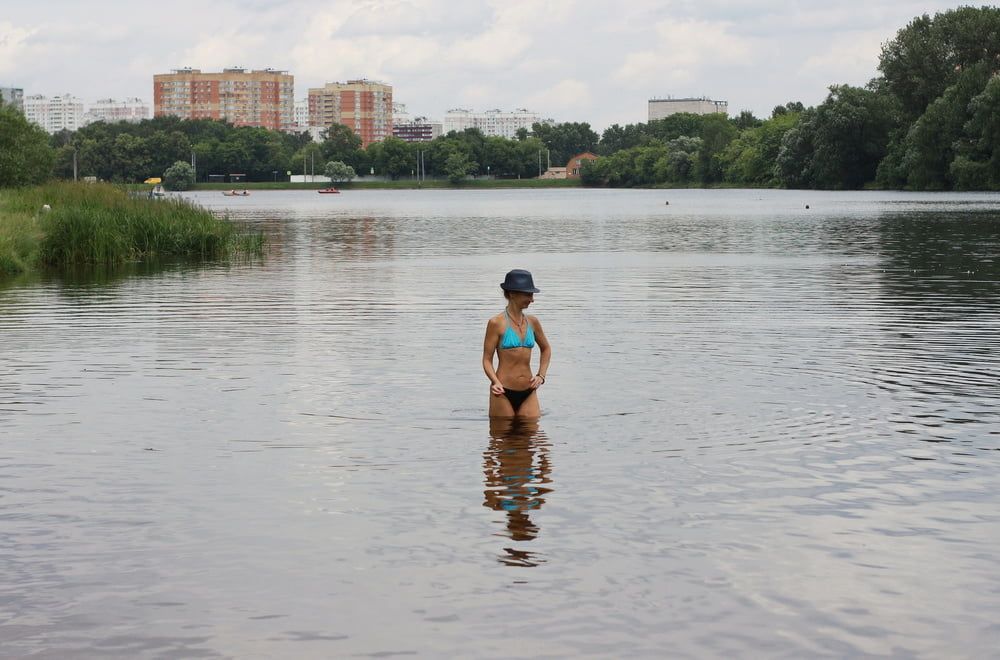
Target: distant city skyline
573,61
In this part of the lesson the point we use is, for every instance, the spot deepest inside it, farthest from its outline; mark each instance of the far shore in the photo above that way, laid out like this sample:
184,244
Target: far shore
401,184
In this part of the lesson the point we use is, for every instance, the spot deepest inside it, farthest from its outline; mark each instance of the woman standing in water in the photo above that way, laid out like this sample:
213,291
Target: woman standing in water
511,335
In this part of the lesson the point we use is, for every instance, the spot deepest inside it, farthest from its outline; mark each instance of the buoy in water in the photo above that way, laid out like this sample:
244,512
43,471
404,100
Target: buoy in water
807,206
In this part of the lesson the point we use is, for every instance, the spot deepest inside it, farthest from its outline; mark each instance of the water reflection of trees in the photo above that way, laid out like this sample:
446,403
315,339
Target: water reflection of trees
517,470
939,304
953,255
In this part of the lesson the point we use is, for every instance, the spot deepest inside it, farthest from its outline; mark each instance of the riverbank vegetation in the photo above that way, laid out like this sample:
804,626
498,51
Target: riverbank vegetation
62,224
928,121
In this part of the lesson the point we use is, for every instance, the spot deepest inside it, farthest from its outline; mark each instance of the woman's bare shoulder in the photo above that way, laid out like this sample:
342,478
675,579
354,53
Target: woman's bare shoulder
496,321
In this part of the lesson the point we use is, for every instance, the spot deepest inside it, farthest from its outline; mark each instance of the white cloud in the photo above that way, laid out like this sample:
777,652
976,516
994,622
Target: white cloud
574,60
14,44
851,58
567,100
681,50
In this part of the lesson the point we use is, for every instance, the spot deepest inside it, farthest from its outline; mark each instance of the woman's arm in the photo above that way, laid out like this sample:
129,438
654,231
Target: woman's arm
546,353
489,348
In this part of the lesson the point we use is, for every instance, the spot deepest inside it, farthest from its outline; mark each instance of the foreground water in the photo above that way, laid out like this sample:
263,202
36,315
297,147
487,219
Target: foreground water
769,431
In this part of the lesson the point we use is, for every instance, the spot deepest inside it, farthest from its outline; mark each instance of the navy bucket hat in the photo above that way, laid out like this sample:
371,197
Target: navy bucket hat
519,280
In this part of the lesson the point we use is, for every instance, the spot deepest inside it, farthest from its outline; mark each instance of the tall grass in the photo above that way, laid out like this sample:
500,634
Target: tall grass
102,225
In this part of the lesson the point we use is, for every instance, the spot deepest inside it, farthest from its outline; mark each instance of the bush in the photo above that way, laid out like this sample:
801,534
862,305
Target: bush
339,171
179,176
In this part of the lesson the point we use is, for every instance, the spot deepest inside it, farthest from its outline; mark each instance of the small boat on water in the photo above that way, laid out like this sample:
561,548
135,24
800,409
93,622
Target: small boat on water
157,191
236,193
328,191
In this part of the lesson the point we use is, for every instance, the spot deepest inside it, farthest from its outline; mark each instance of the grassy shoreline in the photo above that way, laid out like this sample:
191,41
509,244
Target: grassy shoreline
101,224
471,184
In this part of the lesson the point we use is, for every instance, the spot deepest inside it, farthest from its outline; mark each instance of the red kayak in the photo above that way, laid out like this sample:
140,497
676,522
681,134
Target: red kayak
327,191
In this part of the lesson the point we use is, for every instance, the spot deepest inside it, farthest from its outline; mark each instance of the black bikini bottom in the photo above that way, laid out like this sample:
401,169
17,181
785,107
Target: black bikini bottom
517,397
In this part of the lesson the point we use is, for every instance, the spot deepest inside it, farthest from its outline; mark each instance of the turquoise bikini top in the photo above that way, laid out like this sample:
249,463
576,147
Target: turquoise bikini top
512,340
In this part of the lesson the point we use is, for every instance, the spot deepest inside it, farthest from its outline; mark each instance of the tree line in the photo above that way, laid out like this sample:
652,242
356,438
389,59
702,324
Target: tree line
929,121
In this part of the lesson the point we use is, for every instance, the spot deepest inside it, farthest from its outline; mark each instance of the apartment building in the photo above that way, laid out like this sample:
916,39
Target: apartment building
491,122
413,129
660,108
54,114
109,110
363,105
264,98
13,96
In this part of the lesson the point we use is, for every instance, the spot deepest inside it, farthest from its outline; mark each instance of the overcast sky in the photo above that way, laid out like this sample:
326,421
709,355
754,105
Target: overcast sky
597,61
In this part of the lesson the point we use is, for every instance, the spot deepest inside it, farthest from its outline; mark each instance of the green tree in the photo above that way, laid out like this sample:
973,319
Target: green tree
565,140
928,55
850,137
750,158
339,171
458,166
745,121
179,176
341,143
793,165
615,138
25,155
981,149
391,157
792,107
716,132
929,146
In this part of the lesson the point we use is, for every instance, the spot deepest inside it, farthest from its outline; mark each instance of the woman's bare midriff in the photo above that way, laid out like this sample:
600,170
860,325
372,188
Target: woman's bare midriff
514,368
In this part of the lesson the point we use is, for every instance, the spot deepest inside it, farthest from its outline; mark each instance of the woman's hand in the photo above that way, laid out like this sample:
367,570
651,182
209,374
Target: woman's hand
537,381
496,389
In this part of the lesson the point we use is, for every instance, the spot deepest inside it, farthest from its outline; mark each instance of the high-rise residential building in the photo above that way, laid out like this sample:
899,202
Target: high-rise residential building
363,105
491,122
302,114
13,96
660,108
264,98
413,129
110,110
54,114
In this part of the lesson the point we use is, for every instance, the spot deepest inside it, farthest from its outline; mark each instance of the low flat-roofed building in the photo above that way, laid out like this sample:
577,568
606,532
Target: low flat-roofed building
109,110
660,108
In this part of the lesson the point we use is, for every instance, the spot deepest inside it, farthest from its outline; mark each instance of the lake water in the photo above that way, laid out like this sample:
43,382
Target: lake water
768,431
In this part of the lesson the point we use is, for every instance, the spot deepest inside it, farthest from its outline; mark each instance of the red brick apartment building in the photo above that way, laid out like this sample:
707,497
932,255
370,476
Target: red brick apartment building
263,98
363,105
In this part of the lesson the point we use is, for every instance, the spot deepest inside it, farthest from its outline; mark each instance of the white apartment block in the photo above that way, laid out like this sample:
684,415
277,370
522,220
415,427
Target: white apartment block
660,108
110,111
13,96
54,114
491,122
301,110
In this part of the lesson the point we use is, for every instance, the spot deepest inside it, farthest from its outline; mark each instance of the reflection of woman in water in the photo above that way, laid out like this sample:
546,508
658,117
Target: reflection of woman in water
516,468
511,335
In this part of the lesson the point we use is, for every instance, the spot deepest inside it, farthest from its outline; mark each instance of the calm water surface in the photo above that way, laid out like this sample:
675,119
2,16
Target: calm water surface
769,431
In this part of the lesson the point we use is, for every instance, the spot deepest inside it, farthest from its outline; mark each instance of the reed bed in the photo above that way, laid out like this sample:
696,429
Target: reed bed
101,224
